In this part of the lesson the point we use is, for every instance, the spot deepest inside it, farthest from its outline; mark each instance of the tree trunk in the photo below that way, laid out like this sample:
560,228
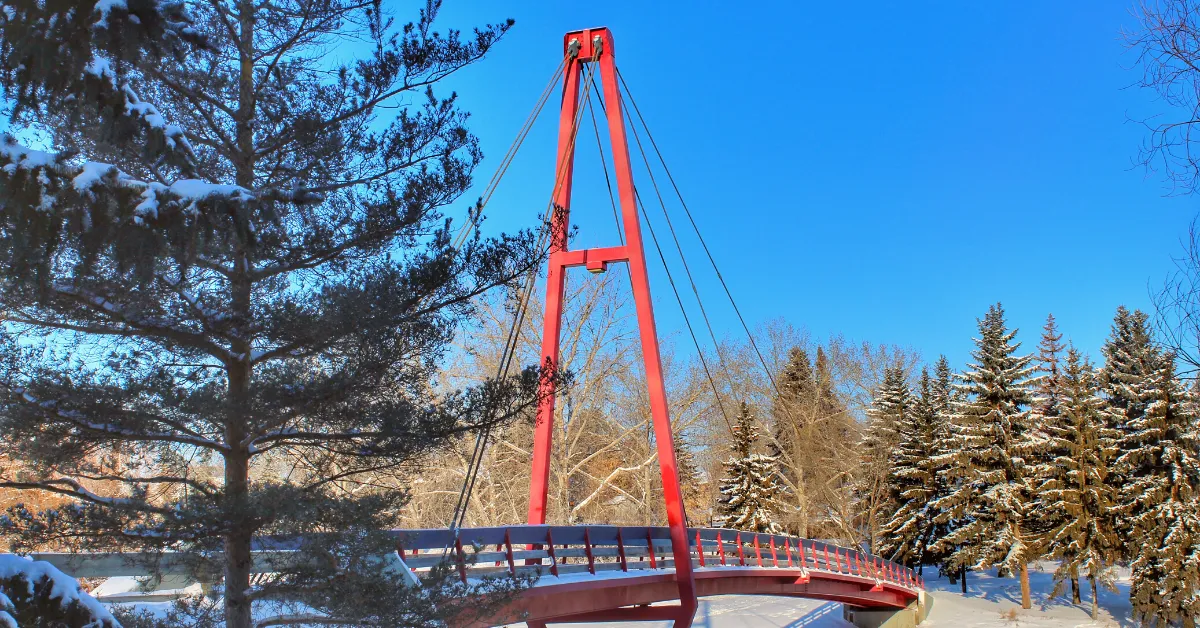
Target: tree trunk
964,580
1026,602
1075,586
1095,599
238,606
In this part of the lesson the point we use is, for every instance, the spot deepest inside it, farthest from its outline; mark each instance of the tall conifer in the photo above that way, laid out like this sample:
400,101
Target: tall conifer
1129,360
890,407
912,481
944,521
1044,417
222,239
750,490
991,434
1160,498
1075,495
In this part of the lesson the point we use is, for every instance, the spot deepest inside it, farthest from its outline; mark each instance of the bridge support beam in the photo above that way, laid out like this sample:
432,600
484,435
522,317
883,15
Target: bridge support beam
596,46
909,617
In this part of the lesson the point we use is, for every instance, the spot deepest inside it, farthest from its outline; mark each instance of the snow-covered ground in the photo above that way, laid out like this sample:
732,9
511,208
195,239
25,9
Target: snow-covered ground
990,602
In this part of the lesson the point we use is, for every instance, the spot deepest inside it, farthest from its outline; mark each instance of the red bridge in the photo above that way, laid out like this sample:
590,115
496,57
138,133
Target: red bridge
611,573
608,573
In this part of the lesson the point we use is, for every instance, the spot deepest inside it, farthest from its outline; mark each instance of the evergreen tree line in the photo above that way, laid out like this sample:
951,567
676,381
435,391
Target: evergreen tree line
1024,457
1016,458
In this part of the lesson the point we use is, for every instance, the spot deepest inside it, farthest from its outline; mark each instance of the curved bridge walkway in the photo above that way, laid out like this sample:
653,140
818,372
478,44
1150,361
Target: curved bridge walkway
610,573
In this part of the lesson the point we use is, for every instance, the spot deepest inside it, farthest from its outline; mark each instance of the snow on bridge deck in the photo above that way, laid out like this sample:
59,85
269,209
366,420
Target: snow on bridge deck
597,572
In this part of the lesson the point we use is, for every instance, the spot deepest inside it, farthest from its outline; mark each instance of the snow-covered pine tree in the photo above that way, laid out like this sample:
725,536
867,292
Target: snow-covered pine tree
1044,415
230,251
991,434
689,473
1129,358
1046,388
890,406
750,490
1074,493
797,389
1160,500
943,394
35,593
912,481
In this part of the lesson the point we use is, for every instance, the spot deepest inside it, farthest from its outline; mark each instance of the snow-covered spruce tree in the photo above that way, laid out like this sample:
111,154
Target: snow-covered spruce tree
912,481
791,410
890,406
35,593
1044,417
942,395
1072,487
1046,389
991,435
750,492
230,253
1160,501
1129,358
690,481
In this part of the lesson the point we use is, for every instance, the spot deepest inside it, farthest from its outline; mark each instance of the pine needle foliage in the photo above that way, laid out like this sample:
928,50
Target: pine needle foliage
1159,462
750,490
890,406
223,246
943,396
1073,485
1130,359
913,481
986,466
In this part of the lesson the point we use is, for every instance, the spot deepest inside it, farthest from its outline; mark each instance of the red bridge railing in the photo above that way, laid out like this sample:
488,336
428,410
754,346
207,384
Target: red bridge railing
563,550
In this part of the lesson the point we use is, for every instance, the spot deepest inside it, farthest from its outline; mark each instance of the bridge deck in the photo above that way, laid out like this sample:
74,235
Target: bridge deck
598,573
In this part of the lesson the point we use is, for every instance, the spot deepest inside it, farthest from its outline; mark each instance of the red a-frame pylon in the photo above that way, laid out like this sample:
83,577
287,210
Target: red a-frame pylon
596,46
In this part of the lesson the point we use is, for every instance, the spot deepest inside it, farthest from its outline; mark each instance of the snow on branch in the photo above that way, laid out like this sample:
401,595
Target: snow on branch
173,136
63,588
78,419
91,177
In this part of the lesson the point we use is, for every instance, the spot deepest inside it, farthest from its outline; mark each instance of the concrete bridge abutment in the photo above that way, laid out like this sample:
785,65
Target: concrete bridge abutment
909,617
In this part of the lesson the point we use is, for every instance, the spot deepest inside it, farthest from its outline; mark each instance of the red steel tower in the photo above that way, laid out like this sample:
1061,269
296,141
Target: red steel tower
595,45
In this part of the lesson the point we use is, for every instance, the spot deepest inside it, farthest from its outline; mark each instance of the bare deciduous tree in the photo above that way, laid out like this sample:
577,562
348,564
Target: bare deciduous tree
1167,44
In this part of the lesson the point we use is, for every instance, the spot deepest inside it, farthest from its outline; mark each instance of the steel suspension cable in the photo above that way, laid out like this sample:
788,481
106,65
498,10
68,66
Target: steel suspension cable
686,320
509,354
696,228
604,165
510,155
700,353
679,248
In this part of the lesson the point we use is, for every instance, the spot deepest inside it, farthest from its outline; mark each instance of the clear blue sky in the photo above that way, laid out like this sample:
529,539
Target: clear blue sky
883,170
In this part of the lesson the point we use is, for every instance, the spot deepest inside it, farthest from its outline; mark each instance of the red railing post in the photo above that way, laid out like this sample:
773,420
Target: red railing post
700,548
621,551
587,541
508,551
827,559
787,549
774,558
757,552
461,560
720,548
650,547
550,553
741,556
